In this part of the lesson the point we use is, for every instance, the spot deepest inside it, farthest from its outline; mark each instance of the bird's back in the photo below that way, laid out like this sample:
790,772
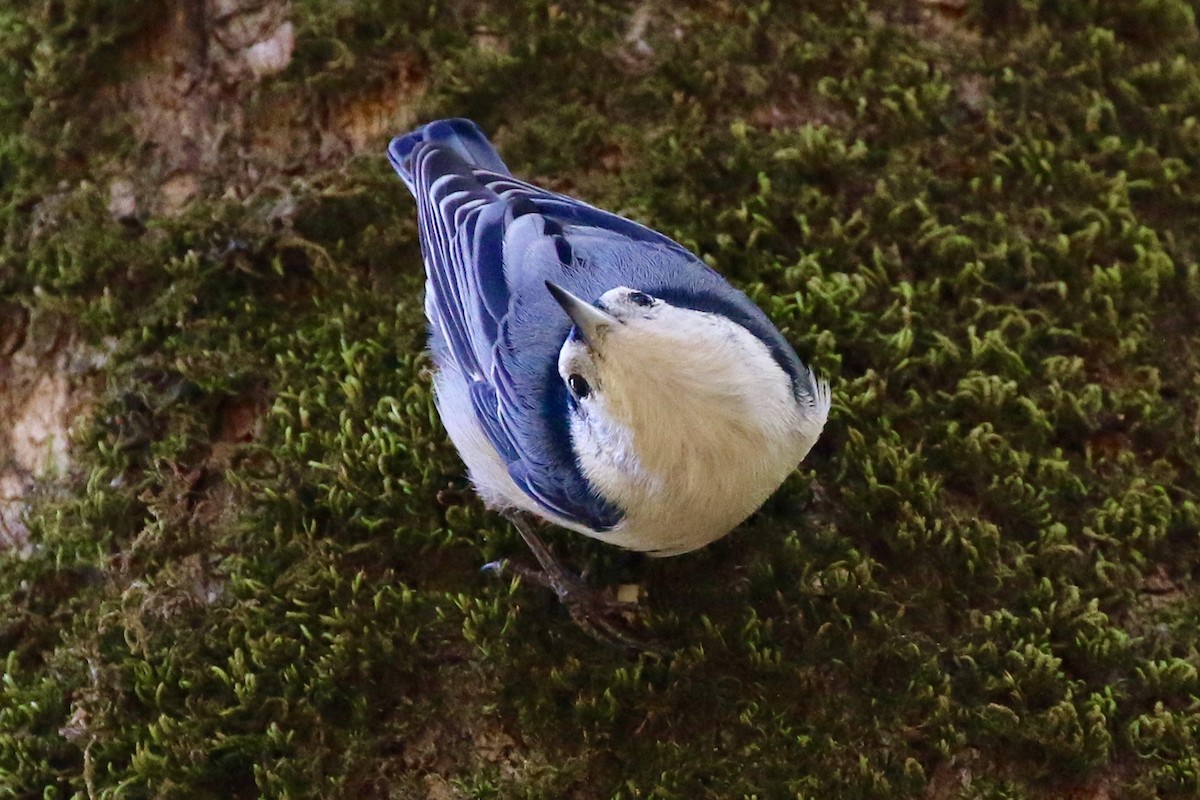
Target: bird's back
490,243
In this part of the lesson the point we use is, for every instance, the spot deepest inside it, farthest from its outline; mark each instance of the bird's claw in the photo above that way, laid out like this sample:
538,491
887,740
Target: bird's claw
596,611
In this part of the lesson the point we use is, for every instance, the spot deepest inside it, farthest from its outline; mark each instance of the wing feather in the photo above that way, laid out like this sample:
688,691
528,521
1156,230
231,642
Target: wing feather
466,229
489,242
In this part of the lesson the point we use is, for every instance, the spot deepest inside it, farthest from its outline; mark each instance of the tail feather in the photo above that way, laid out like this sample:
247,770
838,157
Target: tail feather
462,136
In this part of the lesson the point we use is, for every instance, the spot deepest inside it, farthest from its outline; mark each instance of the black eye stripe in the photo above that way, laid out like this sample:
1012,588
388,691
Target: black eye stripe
578,386
641,299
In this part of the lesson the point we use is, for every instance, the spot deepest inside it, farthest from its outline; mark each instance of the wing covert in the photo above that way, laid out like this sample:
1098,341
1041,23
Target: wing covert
479,230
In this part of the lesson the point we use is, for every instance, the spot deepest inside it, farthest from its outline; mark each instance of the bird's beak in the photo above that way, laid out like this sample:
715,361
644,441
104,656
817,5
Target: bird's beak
592,322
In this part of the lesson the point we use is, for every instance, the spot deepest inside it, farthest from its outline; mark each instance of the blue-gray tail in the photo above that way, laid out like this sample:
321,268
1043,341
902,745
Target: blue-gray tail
462,136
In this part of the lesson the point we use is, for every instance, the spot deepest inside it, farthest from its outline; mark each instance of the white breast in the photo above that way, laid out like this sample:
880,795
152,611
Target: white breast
694,431
686,448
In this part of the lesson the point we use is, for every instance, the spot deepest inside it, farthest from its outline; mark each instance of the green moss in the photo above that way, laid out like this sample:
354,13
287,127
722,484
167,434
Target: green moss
980,227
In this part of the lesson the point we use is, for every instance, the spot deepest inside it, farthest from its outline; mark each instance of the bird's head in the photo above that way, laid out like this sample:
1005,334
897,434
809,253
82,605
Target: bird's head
679,409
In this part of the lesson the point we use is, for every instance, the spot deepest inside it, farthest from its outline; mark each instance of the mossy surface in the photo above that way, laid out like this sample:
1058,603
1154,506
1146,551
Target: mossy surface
979,221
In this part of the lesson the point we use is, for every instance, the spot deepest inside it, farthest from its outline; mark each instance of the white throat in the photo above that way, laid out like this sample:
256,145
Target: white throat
695,427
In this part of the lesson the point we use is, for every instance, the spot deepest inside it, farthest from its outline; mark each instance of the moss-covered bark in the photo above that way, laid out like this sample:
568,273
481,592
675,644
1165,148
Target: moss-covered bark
261,575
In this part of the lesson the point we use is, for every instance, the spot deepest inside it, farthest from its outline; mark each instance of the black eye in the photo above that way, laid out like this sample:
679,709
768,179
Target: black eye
641,299
579,387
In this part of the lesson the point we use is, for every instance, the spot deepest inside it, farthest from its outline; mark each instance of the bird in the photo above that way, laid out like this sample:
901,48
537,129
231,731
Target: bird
593,372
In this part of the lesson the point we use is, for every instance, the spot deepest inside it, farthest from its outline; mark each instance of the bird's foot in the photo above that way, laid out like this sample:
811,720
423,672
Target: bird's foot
598,612
595,610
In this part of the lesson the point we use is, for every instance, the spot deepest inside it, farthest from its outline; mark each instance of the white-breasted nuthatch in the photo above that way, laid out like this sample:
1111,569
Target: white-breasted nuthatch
590,370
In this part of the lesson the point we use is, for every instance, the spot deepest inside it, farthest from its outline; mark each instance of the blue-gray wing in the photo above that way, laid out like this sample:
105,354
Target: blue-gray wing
488,248
490,242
